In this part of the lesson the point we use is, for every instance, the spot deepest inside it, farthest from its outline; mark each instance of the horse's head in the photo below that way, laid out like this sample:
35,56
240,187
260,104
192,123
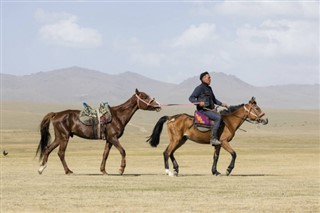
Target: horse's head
146,103
255,113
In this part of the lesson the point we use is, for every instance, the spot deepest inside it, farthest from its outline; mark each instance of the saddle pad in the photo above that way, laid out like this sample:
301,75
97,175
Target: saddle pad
201,120
89,121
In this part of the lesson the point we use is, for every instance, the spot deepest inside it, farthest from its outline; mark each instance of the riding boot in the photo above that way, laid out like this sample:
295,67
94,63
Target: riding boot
214,138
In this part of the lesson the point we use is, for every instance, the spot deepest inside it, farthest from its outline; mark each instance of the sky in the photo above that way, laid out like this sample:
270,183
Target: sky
261,42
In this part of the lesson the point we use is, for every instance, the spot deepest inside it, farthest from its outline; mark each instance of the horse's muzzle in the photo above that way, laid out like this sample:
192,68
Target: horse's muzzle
264,121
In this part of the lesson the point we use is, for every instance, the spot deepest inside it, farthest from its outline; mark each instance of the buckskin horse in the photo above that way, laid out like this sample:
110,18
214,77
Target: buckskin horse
180,128
66,124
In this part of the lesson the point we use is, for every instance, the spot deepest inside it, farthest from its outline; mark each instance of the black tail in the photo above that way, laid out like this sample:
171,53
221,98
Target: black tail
45,134
154,138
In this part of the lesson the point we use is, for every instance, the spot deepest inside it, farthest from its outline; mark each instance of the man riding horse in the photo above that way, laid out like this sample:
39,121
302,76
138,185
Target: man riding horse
205,100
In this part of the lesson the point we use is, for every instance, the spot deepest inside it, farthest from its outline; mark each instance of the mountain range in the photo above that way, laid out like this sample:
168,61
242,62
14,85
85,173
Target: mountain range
77,85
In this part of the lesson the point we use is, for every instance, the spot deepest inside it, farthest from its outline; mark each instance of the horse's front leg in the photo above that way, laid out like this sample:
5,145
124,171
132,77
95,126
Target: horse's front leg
229,149
231,165
105,157
117,144
215,161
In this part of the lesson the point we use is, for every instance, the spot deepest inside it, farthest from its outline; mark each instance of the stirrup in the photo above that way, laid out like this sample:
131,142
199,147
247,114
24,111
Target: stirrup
215,142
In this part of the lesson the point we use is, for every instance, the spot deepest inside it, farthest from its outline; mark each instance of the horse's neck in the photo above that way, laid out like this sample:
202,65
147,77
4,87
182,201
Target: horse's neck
125,111
236,119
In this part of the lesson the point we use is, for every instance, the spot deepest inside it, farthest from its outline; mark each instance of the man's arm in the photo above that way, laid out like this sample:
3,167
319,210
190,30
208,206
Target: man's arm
195,94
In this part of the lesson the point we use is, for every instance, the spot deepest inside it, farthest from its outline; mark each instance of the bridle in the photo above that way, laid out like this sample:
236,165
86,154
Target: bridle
143,101
252,111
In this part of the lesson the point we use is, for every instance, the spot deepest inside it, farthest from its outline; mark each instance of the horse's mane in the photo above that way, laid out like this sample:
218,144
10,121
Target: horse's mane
231,109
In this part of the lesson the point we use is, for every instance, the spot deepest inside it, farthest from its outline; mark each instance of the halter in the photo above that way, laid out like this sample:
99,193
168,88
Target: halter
147,103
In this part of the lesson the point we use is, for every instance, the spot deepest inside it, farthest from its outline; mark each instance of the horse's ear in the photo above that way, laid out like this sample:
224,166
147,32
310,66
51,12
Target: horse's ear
137,91
253,100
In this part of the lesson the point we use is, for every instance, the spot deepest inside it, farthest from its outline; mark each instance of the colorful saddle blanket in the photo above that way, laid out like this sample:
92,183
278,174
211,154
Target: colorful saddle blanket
200,120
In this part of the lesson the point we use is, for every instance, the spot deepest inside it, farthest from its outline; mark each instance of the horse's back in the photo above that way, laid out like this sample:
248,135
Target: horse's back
65,115
183,124
180,120
68,112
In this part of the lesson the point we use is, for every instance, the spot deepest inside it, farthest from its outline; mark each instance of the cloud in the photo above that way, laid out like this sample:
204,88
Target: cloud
196,35
260,9
274,38
63,29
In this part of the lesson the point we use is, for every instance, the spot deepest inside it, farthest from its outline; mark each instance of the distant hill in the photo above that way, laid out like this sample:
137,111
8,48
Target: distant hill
76,84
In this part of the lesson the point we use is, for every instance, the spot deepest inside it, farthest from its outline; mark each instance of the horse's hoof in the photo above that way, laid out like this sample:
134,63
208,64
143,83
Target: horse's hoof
104,173
216,173
228,172
120,172
169,173
40,170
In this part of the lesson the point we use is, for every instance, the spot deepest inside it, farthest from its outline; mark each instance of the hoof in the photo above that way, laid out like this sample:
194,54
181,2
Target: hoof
228,172
169,173
216,173
104,173
40,170
70,174
120,172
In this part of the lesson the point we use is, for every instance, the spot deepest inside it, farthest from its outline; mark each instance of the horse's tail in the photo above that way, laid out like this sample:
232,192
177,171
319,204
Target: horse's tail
45,134
154,138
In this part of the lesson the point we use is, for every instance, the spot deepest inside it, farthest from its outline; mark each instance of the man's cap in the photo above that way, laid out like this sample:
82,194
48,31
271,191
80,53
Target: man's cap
203,74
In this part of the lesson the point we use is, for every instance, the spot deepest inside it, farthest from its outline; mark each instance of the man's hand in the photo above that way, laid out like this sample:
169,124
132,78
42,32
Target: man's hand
201,104
225,105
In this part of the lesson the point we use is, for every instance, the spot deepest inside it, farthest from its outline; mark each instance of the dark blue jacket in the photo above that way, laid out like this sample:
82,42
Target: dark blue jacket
204,93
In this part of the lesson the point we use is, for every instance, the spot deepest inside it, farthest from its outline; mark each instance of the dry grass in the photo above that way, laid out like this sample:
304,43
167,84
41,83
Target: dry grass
277,169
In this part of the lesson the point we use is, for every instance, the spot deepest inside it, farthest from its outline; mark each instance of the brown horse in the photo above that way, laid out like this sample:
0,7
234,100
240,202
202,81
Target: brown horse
66,124
181,128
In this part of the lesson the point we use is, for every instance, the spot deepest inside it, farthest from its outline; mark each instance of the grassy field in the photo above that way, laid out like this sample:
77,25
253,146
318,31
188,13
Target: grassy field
277,169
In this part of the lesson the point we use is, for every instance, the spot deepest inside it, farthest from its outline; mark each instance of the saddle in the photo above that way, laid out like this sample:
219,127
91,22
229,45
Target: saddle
97,118
201,122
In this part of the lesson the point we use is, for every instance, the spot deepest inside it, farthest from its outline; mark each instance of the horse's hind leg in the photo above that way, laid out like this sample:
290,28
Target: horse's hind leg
47,152
61,154
166,156
166,162
175,165
173,146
